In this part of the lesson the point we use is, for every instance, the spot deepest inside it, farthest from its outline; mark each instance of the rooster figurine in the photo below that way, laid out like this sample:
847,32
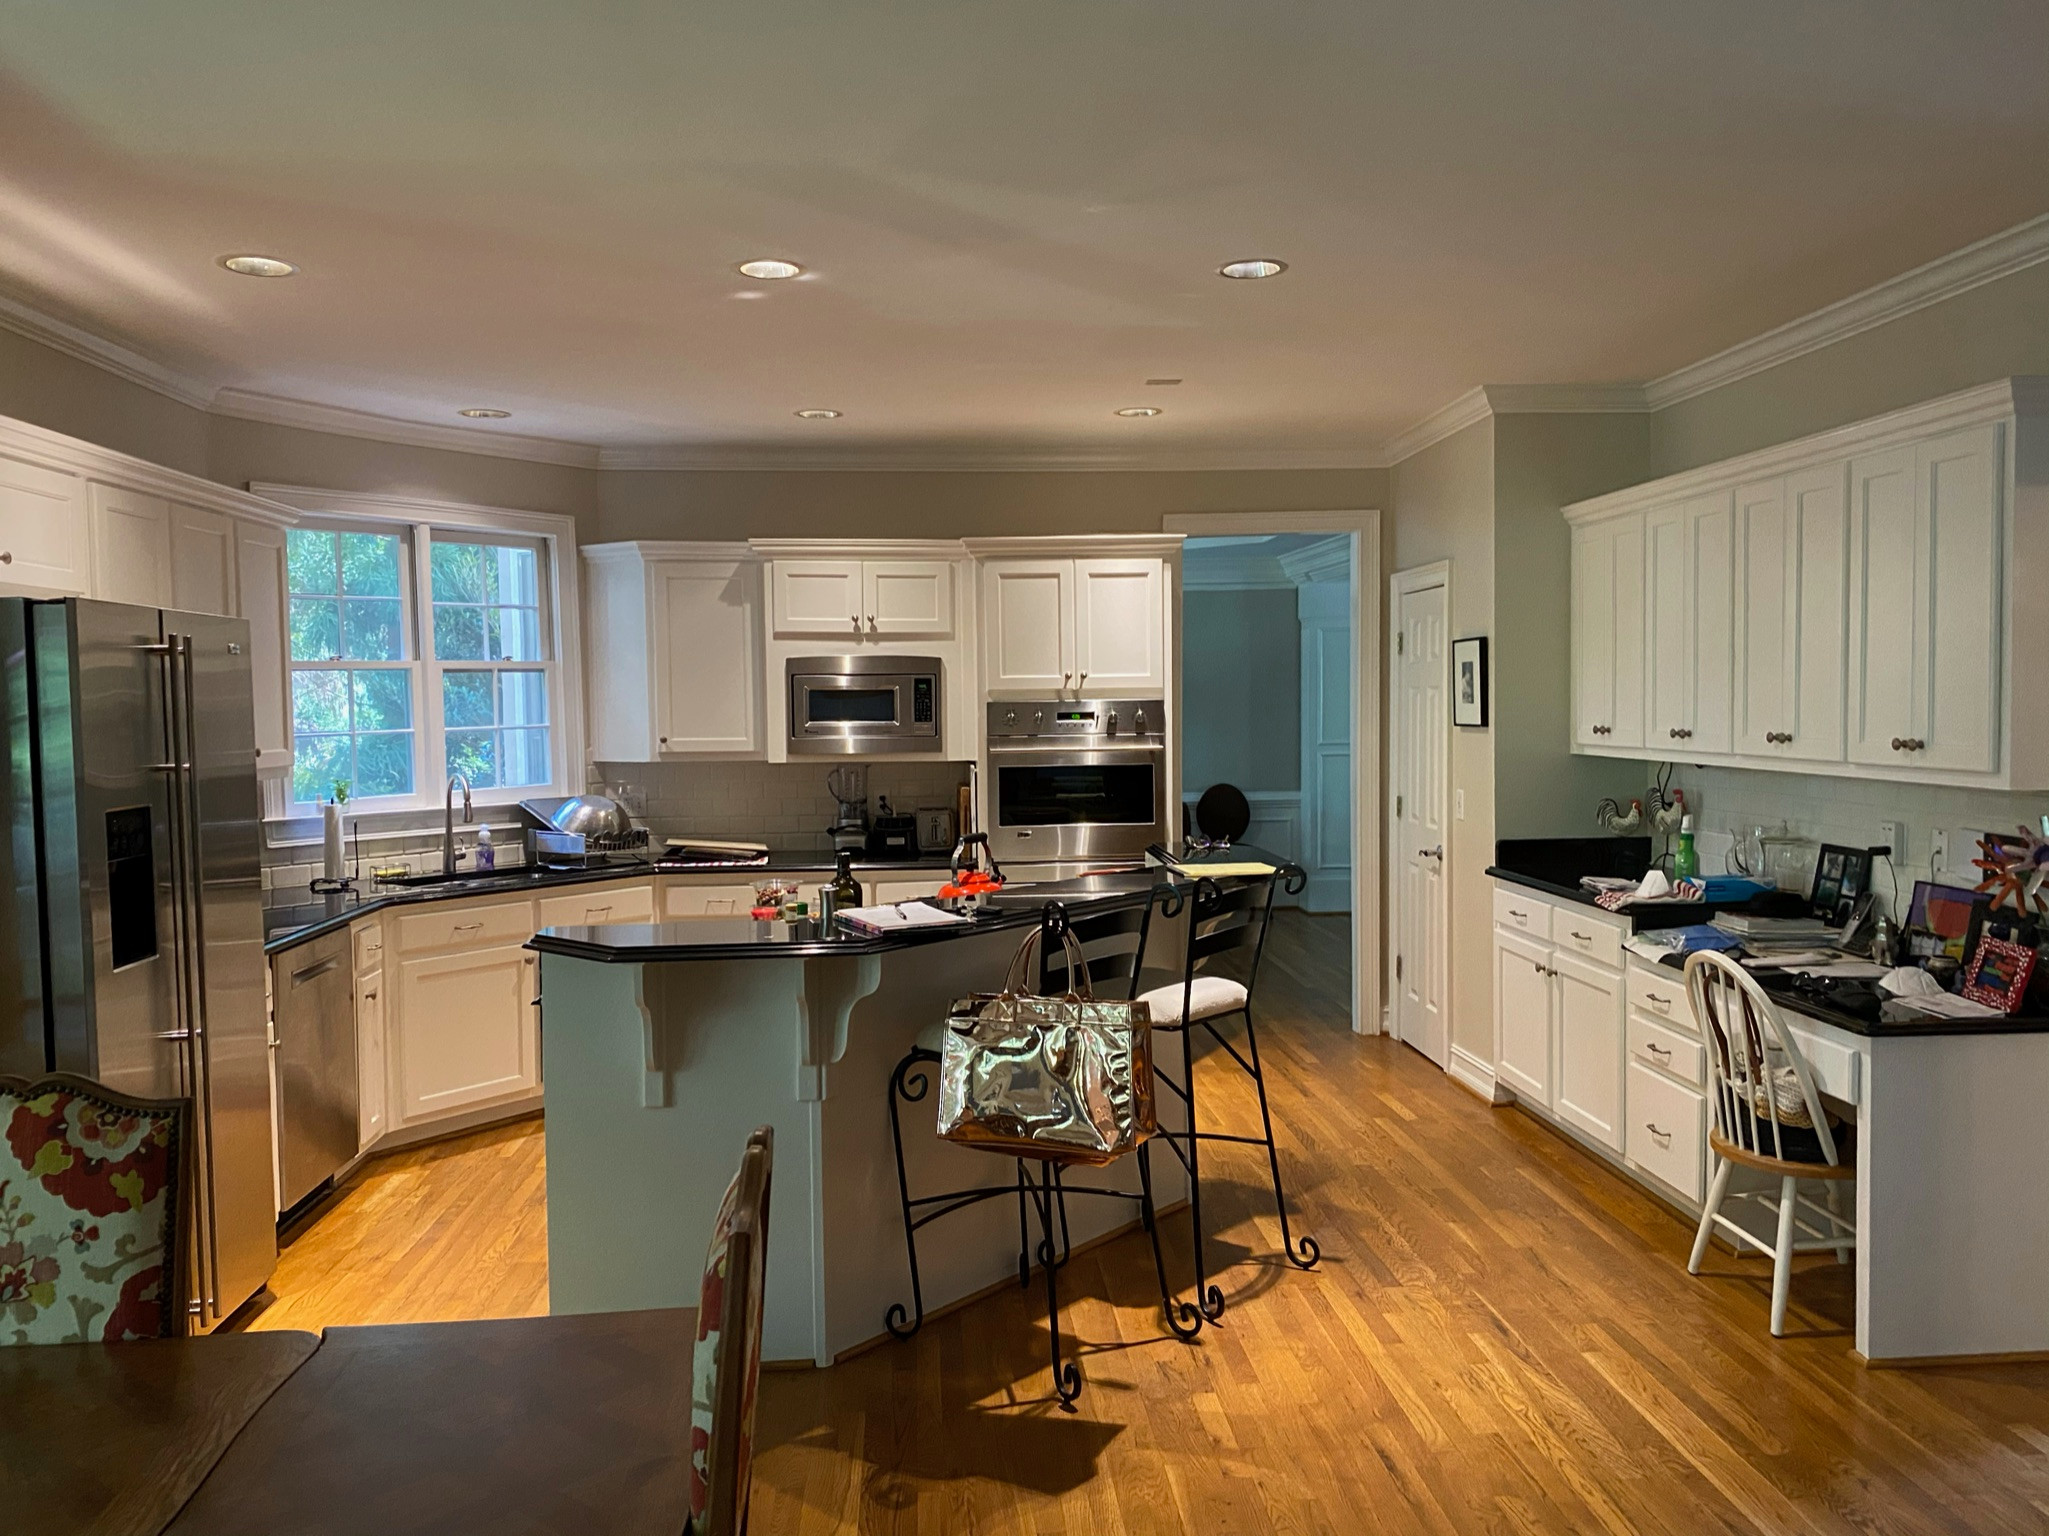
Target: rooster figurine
1665,819
1609,814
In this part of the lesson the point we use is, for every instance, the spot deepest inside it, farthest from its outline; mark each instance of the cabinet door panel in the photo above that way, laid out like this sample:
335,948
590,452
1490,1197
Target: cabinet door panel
260,598
1522,1012
202,560
1609,589
1590,1049
1629,635
131,535
465,1031
1886,582
370,1067
42,528
1767,624
1028,624
818,597
1957,617
1818,624
1669,626
1120,643
908,597
707,656
1711,639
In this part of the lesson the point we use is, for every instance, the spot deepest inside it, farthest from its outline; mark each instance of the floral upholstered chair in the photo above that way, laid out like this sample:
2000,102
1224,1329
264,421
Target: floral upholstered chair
726,1368
90,1183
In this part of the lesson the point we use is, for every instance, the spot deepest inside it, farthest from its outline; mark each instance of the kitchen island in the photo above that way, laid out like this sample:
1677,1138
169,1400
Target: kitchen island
668,1042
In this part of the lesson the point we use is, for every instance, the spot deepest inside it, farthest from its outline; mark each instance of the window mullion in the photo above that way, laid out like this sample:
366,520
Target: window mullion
431,746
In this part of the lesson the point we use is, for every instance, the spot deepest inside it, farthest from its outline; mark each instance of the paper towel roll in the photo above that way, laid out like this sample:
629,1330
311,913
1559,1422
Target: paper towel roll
331,841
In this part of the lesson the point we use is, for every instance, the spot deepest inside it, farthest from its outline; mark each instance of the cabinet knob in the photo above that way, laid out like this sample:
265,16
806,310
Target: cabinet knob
6,557
1907,744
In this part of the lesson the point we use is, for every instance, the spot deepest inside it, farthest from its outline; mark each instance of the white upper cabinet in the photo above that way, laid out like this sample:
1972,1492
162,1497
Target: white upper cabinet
1690,665
1028,625
675,635
42,529
1925,604
1608,632
1850,604
862,599
1094,626
131,545
202,560
260,584
1120,632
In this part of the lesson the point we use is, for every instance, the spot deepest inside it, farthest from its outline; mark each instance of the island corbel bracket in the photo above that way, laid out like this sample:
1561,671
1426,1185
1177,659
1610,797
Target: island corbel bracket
833,984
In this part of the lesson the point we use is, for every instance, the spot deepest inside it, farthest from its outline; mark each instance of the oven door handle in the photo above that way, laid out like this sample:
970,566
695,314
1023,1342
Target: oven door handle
1073,747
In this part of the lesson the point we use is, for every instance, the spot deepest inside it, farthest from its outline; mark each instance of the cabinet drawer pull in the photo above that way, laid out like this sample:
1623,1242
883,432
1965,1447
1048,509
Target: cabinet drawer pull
1655,1049
467,928
1521,917
1664,1138
1662,1002
1584,938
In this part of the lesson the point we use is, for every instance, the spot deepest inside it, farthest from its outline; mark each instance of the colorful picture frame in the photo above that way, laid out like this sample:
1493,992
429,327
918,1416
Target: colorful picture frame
1998,974
1469,681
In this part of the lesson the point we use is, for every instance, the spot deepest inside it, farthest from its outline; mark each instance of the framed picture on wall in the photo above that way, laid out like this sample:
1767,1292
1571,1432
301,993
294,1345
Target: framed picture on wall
1469,681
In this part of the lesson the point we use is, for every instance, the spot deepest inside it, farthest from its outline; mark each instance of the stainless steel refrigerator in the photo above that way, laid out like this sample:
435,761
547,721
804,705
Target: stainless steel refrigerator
132,929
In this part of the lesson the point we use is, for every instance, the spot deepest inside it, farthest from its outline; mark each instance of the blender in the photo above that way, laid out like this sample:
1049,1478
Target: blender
849,786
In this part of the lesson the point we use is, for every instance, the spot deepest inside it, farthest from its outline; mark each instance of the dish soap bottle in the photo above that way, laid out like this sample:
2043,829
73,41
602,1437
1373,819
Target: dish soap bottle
487,856
1685,858
845,889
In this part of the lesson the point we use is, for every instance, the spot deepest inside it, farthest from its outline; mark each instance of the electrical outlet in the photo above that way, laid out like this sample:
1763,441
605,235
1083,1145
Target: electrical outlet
1889,837
1938,849
1458,805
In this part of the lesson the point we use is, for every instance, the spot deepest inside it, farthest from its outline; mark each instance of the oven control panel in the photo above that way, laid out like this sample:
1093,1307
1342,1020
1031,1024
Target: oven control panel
1100,721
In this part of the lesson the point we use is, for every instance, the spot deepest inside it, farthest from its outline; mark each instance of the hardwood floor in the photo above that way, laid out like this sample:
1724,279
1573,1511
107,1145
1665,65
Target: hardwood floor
1502,1337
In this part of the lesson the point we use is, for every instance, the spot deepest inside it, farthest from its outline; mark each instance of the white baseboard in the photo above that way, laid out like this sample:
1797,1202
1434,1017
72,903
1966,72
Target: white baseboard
1476,1073
1327,893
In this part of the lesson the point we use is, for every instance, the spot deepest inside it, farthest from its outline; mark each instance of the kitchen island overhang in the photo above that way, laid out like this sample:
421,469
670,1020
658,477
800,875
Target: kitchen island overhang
665,1044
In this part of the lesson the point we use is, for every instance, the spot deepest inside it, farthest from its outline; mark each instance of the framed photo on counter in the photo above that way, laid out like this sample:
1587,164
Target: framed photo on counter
1998,974
1469,681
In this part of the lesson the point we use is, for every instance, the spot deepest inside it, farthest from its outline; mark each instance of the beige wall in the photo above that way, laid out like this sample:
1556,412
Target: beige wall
940,504
1986,333
1443,509
41,385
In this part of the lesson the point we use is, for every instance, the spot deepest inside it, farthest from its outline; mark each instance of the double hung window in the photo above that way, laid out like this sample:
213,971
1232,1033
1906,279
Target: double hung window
419,653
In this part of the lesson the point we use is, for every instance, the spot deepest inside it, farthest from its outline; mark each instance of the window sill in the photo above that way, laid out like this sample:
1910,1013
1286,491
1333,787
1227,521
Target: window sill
377,827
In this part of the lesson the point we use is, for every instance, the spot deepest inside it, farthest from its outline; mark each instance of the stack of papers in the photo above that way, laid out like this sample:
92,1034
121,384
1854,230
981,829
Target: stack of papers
899,916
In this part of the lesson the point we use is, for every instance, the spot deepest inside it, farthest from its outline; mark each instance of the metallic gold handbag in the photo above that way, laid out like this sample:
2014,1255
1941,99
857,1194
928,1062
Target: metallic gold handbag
1063,1079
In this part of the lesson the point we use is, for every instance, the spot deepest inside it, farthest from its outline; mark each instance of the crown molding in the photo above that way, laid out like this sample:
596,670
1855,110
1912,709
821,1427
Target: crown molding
276,410
1328,560
1233,571
1564,399
2001,255
1441,423
759,457
399,507
73,341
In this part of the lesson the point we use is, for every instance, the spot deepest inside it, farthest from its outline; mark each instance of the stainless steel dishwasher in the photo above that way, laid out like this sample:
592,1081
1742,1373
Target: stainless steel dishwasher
316,1065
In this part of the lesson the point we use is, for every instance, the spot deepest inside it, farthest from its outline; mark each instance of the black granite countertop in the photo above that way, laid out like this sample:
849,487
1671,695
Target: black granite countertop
294,916
1813,997
1017,906
1553,866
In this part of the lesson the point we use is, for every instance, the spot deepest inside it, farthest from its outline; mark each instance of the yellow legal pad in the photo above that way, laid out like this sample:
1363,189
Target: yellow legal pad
1247,870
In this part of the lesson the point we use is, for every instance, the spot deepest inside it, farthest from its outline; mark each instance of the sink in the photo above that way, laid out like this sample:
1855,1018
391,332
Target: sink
457,881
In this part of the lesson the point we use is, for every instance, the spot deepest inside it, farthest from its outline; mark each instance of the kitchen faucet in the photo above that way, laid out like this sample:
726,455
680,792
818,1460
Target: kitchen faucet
448,820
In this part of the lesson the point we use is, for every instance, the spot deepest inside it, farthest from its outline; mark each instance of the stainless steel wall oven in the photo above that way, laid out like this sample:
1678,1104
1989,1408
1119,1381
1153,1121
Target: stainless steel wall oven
1077,779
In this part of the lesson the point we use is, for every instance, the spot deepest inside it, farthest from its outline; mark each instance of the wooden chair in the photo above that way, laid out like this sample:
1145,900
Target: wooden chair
92,1225
1768,1116
1222,922
727,1370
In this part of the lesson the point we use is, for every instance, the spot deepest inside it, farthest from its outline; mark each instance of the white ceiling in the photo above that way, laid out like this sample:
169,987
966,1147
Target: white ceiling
1013,212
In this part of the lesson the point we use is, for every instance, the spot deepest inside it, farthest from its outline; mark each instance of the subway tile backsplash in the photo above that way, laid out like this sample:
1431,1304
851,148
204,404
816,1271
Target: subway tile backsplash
785,805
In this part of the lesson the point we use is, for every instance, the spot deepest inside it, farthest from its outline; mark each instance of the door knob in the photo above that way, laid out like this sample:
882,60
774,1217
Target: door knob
1436,853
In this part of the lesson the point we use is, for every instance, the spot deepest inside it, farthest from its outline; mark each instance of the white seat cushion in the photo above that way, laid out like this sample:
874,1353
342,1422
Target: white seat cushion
932,1036
1210,996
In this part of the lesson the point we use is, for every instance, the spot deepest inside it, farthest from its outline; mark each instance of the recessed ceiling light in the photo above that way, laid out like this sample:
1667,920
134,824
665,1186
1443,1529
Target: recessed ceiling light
483,413
1257,266
818,413
769,271
258,266
1139,410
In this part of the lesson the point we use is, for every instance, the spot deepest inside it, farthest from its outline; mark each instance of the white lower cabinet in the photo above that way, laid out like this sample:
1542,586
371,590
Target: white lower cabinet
1558,1010
1589,1011
466,1032
1523,1008
1667,1133
371,1121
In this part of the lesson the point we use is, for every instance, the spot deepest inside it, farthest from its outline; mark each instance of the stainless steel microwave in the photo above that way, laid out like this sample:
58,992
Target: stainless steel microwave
864,706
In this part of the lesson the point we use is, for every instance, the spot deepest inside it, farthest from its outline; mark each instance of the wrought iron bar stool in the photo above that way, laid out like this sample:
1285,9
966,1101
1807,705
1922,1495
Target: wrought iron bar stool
1113,949
1222,922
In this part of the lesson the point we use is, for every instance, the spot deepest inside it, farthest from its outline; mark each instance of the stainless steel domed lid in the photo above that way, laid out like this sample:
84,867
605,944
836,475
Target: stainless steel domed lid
592,815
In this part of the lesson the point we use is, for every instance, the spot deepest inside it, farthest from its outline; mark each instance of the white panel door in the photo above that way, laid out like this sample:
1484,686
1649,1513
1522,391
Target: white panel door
1421,720
908,597
819,597
260,587
1957,608
1609,571
1590,1048
131,546
1028,625
1887,588
465,1030
1711,603
42,529
708,665
1324,609
1523,1006
202,560
1120,628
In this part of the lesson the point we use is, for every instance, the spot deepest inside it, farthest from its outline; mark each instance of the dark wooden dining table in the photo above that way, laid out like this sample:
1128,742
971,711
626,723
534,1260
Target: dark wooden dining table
513,1427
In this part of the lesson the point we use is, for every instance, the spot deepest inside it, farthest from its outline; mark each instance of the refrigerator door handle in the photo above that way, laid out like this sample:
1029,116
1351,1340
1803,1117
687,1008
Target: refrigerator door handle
181,989
194,894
